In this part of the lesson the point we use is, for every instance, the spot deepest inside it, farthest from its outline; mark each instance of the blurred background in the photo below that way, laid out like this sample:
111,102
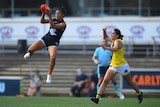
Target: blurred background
82,8
138,20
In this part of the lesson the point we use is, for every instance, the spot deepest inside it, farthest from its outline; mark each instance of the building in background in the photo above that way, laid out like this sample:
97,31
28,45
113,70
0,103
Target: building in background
81,8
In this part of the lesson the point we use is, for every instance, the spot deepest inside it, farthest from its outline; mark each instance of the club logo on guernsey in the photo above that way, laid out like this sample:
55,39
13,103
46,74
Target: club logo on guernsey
55,22
52,32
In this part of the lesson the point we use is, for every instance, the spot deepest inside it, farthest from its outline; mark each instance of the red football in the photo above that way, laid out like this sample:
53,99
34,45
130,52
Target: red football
44,8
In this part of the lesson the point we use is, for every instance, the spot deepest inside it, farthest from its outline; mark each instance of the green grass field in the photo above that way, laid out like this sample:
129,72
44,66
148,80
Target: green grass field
6,101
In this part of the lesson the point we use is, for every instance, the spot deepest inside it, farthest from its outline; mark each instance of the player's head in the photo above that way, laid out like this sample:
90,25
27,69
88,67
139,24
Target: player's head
60,12
116,34
103,42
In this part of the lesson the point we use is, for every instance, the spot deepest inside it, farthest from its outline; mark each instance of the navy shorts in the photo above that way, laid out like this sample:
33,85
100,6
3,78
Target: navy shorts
49,40
102,70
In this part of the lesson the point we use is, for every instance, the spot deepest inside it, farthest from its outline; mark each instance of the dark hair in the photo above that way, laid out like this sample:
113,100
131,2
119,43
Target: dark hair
62,10
118,32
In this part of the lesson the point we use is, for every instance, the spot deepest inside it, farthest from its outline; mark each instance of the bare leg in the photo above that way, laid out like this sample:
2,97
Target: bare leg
113,81
108,76
131,83
38,45
31,91
134,86
118,91
99,82
52,53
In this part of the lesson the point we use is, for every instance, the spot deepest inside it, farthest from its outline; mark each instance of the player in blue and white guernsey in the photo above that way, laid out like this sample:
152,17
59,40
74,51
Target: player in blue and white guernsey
51,39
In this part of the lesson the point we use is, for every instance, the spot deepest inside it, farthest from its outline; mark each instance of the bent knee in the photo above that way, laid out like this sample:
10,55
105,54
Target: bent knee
52,57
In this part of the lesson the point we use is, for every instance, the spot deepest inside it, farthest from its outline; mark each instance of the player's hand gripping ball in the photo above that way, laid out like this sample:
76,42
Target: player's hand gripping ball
44,8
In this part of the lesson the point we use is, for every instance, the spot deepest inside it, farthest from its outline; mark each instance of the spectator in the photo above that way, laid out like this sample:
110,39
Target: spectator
80,81
35,84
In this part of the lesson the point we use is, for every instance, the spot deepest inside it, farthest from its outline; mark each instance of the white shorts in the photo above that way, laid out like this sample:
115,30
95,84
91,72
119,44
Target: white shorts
123,70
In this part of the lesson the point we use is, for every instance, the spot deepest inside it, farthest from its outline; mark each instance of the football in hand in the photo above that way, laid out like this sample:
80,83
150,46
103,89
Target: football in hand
44,8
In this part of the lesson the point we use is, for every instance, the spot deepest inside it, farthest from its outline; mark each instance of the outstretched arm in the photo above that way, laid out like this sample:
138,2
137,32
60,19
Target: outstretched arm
117,45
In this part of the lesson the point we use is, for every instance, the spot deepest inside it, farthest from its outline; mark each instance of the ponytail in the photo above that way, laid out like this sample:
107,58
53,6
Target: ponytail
118,32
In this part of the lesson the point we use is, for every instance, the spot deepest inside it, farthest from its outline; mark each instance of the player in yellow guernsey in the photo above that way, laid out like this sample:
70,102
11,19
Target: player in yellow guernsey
118,56
118,65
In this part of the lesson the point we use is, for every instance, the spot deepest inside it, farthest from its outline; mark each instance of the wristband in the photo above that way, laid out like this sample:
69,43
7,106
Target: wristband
95,61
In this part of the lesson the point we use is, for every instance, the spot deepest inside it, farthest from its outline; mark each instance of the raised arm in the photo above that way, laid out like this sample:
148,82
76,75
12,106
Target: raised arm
43,20
52,24
105,36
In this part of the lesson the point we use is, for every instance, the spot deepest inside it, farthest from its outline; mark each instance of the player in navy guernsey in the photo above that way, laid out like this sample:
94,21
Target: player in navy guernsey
51,39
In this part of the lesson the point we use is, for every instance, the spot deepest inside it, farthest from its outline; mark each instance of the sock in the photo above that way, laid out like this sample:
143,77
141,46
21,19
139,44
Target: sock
139,93
117,89
98,87
30,53
49,73
98,96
